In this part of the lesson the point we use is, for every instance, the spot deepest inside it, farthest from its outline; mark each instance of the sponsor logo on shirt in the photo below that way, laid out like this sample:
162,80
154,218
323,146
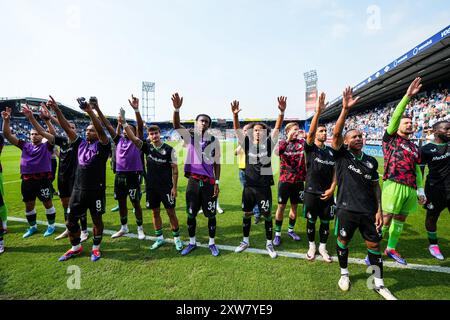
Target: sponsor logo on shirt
407,148
354,169
329,163
444,156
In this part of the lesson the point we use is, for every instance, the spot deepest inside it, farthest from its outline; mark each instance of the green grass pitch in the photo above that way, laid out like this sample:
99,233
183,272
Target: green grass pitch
29,269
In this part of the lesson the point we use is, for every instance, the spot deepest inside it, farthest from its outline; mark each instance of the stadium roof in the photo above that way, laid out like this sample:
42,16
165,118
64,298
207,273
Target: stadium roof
430,60
16,102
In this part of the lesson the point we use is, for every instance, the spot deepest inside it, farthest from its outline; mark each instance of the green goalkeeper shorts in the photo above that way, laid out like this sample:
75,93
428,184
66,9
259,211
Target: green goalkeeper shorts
398,198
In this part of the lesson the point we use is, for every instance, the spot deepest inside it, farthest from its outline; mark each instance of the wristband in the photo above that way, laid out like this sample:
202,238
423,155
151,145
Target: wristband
177,110
217,182
136,110
124,125
420,192
281,113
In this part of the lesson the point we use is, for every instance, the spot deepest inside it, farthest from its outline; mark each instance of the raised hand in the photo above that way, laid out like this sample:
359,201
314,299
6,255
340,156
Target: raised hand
235,107
282,103
44,114
347,99
27,112
6,115
122,116
177,101
321,106
415,87
93,101
134,102
52,104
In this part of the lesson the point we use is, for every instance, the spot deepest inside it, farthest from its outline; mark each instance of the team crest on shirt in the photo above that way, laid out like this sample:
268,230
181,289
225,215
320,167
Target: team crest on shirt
343,233
163,152
369,165
430,206
433,150
331,152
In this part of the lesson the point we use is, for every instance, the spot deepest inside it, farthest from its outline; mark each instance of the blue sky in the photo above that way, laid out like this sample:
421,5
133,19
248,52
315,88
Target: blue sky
210,51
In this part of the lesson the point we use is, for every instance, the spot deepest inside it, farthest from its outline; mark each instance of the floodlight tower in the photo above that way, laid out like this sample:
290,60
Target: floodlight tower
311,80
148,101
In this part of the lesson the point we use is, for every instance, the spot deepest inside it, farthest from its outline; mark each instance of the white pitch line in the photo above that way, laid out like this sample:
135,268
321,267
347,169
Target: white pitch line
420,267
11,182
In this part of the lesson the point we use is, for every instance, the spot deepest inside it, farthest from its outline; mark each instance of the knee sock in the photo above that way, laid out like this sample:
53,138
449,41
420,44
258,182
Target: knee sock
278,226
124,220
342,252
51,215
97,240
31,217
212,225
376,260
246,224
292,224
394,234
176,233
192,225
432,238
311,230
324,231
159,234
83,222
384,230
269,228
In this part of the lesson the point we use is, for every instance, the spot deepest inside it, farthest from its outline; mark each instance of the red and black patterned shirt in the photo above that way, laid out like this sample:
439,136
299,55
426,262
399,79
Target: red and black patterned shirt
292,161
400,159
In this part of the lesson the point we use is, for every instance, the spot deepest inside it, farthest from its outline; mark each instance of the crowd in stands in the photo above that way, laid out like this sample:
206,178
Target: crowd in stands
425,110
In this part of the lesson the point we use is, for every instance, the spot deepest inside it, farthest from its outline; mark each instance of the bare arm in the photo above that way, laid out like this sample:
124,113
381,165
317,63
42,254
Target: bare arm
29,115
315,121
379,214
177,104
103,120
97,124
330,192
137,142
282,103
47,113
46,117
174,180
217,176
118,128
62,120
238,150
237,127
6,115
134,103
347,102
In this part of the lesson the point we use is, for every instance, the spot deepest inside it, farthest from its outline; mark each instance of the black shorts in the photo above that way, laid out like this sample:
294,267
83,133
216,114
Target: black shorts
41,189
291,191
260,196
314,208
157,195
200,194
65,187
127,184
83,200
437,201
348,221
